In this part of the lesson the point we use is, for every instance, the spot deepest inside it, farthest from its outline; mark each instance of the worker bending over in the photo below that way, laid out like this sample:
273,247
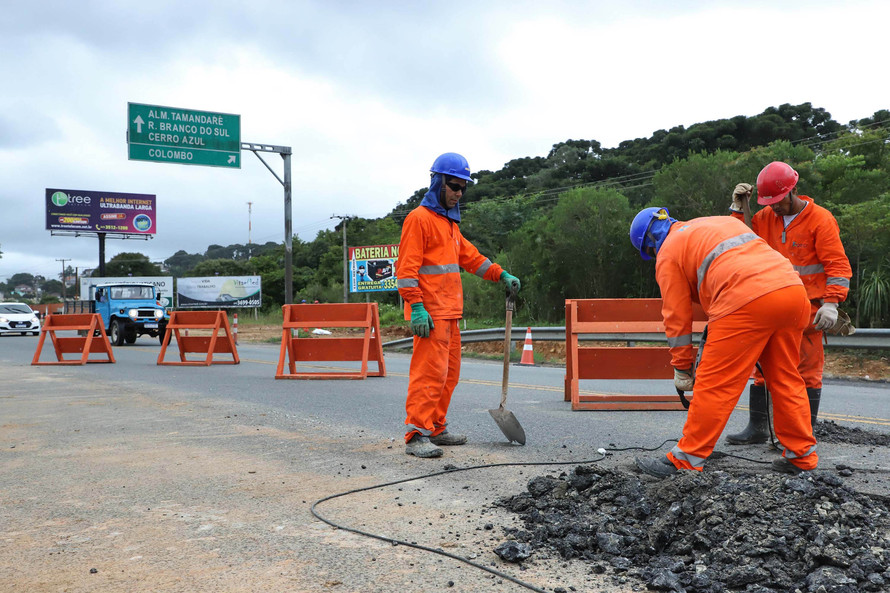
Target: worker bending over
809,237
432,252
757,309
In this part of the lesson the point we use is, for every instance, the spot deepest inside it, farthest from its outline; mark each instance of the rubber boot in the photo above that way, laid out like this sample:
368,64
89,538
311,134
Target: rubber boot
757,430
814,395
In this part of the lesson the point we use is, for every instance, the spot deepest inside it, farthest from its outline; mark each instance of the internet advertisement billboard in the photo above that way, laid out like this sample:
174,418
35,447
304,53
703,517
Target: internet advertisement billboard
100,212
373,268
219,292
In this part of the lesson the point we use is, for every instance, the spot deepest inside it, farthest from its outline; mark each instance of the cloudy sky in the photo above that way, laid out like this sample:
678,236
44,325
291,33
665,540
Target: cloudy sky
367,94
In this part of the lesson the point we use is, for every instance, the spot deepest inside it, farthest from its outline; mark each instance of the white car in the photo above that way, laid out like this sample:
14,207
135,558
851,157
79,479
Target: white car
18,318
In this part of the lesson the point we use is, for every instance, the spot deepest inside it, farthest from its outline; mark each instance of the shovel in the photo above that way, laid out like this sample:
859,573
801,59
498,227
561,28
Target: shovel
504,418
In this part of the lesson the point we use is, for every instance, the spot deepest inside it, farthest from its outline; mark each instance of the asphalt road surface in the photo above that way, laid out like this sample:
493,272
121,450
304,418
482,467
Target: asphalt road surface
138,477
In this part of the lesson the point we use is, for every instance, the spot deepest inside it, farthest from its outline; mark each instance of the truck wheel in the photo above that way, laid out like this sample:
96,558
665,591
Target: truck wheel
161,336
117,333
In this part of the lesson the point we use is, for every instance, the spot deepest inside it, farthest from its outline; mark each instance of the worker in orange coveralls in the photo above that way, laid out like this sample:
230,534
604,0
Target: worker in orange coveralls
757,309
432,252
808,235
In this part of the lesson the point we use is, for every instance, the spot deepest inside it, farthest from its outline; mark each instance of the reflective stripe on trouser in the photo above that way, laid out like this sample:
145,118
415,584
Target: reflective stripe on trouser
768,328
812,356
435,371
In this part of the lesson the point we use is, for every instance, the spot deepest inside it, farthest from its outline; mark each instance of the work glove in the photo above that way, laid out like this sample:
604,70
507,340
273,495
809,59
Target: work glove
511,282
740,196
421,322
826,316
683,379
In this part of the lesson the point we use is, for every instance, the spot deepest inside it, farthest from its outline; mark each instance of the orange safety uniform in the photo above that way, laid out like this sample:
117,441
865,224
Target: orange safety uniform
432,252
757,309
812,243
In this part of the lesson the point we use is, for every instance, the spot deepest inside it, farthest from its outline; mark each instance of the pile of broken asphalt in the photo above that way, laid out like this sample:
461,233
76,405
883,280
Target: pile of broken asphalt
712,531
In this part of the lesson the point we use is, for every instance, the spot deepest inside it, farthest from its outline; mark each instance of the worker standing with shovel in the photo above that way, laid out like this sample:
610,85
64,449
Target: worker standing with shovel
432,252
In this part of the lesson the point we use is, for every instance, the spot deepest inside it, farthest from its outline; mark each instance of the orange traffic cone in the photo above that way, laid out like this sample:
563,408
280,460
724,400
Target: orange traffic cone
528,357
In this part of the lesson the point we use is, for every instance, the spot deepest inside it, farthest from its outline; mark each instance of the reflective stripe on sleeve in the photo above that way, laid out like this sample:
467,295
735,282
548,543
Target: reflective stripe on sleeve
837,281
719,250
483,268
809,270
443,269
684,340
407,283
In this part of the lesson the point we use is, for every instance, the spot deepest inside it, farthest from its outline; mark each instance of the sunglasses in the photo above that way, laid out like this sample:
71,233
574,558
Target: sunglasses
456,187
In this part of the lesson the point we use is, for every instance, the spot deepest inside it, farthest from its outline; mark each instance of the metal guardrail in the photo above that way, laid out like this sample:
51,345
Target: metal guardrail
877,338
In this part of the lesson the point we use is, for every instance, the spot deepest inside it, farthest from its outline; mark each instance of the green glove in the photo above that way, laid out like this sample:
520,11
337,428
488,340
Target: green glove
421,322
511,282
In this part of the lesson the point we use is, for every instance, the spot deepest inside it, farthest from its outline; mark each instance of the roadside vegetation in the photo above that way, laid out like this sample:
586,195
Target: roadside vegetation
560,222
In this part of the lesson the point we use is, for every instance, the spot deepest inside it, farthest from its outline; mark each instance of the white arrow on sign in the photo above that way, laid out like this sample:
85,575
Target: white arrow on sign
231,158
138,121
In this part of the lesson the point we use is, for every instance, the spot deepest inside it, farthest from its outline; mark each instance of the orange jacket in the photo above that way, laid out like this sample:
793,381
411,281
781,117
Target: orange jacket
718,262
431,253
812,243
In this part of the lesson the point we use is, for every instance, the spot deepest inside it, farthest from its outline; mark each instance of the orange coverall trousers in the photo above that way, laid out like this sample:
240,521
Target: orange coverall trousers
433,375
812,355
767,329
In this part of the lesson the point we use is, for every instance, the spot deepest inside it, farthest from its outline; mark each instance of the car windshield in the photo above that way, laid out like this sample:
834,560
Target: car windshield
15,309
131,292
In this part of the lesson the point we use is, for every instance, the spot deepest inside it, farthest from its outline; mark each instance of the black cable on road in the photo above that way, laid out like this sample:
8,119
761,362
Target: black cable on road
441,552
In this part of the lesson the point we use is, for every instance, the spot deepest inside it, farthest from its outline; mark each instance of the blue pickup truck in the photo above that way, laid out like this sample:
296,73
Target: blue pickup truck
128,310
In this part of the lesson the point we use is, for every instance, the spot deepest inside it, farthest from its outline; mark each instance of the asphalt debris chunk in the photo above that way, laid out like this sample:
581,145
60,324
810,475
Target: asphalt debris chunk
707,532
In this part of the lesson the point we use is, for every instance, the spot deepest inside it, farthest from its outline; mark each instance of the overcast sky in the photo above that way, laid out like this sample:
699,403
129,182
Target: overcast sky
367,94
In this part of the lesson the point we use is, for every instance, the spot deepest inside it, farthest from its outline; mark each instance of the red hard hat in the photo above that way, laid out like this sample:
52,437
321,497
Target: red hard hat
774,182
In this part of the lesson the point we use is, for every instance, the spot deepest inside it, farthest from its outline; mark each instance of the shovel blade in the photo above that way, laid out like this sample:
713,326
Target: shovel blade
508,424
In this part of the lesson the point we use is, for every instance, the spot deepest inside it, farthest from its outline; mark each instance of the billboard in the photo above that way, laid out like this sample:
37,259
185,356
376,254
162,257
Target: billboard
219,292
164,285
373,268
100,212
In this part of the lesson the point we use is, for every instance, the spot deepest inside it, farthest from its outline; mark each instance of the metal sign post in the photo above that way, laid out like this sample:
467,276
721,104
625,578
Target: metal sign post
285,152
190,137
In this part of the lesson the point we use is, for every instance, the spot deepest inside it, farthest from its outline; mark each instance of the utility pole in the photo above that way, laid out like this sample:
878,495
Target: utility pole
345,258
249,205
63,275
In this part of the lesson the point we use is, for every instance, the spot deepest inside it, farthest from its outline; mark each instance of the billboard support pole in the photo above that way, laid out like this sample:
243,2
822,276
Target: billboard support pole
285,152
101,254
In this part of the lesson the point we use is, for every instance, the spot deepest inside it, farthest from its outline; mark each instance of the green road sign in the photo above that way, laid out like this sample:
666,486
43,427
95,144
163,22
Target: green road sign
184,136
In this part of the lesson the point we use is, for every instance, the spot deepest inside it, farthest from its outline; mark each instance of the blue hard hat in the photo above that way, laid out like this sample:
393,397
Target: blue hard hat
452,164
641,229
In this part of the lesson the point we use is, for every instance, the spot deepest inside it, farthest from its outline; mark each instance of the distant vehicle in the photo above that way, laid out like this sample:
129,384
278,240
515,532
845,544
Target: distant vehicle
128,310
18,318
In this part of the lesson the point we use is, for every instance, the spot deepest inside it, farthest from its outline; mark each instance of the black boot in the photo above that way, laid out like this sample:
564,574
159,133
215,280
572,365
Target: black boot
814,395
757,430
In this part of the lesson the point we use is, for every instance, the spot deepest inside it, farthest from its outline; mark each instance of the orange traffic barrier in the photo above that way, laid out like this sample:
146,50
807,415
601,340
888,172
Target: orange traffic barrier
367,348
619,316
93,340
215,321
528,355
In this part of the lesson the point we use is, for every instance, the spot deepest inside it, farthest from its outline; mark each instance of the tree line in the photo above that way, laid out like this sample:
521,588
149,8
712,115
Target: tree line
560,223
